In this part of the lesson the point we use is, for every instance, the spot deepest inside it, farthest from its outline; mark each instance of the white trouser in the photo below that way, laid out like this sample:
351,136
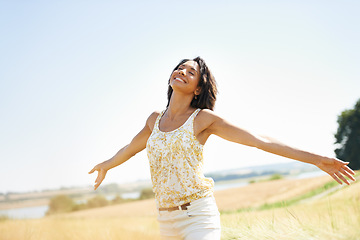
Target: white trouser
201,221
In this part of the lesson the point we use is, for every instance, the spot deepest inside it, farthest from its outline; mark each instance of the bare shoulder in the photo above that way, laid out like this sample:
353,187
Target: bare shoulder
208,115
150,122
205,119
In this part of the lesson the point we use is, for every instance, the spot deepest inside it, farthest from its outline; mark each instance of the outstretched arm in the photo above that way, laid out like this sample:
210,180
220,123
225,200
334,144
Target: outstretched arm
137,144
336,168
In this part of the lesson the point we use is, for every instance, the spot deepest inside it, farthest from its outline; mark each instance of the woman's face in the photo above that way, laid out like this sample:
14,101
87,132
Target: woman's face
186,78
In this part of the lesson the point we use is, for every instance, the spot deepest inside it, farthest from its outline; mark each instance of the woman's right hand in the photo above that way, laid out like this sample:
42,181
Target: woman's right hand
101,174
136,145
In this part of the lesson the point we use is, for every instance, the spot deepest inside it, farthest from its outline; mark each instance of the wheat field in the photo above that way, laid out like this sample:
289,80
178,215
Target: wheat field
334,216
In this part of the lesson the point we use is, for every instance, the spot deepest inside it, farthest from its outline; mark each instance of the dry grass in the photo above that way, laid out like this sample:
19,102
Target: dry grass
332,217
266,192
142,208
133,220
80,229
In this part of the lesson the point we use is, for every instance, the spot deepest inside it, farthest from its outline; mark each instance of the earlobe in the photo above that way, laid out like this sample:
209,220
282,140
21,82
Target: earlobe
197,91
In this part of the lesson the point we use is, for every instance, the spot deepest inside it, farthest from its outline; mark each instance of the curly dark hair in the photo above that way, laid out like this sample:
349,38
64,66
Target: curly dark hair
207,97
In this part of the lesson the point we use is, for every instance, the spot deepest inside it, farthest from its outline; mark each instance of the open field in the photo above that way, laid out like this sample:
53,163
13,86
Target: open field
334,216
266,192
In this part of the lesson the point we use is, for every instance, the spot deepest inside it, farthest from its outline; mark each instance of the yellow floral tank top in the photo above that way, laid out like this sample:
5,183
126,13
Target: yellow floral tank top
176,165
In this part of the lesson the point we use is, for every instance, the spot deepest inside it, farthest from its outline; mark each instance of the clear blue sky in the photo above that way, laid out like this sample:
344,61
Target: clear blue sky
79,79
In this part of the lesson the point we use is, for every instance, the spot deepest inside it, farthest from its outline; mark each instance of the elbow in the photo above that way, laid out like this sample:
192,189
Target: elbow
261,143
258,146
130,150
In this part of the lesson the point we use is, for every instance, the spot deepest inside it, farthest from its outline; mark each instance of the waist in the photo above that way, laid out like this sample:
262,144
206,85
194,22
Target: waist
181,207
176,201
206,203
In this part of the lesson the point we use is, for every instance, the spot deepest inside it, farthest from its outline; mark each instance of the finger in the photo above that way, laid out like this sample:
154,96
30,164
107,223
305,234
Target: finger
92,170
336,178
97,184
98,177
342,178
349,170
344,172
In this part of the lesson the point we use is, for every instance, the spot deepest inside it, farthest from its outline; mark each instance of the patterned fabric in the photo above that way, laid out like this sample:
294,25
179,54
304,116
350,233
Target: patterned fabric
176,165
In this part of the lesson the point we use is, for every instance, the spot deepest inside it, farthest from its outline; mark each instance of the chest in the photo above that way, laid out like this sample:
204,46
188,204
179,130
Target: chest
168,125
177,140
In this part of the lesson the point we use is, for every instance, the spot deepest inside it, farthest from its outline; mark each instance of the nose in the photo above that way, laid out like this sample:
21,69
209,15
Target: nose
182,72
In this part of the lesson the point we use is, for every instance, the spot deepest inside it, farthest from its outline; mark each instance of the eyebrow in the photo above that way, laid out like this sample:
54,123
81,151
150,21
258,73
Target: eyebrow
190,68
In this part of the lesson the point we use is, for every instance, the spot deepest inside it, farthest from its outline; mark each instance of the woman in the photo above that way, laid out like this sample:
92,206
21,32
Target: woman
174,140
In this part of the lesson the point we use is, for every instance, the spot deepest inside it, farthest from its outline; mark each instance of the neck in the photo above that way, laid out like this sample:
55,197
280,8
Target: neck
179,104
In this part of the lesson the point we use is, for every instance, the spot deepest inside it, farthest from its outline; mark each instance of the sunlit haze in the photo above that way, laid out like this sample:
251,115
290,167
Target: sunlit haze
80,78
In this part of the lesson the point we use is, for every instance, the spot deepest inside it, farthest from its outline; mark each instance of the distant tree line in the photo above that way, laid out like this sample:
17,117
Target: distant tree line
63,203
227,177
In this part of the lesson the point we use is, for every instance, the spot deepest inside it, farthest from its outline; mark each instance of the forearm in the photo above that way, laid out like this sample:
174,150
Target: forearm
137,144
273,146
336,168
119,158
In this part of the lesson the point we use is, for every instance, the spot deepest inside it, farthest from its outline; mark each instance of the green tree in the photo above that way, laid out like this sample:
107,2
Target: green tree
146,193
117,199
348,136
97,201
276,176
59,204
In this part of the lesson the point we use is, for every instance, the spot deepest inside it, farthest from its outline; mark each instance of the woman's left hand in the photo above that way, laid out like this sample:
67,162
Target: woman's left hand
337,169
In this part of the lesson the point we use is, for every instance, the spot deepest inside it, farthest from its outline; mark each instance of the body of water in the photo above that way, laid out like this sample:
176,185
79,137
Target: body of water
24,213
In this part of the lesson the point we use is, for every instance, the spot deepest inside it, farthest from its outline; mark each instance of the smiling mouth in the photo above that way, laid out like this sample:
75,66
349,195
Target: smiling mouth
179,79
